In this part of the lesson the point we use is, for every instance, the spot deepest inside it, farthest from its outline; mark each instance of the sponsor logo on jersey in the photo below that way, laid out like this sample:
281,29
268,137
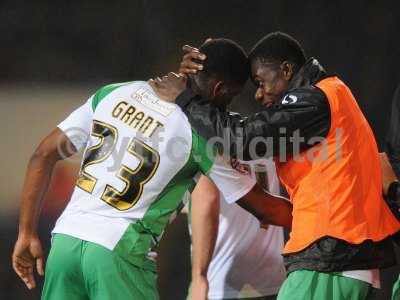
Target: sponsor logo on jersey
151,101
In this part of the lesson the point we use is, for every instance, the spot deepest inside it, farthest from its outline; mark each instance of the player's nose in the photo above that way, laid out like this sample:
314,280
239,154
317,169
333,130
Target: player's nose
259,95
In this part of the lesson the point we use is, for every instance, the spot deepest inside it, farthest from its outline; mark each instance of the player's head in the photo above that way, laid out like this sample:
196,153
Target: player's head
225,71
274,60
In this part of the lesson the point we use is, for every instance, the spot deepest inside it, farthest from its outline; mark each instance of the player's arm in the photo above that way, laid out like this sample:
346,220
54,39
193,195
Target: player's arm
242,189
390,161
28,252
388,175
204,222
70,136
392,145
267,208
391,186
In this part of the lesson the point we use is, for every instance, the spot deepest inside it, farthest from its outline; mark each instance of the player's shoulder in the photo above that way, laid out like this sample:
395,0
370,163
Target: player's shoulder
106,90
305,94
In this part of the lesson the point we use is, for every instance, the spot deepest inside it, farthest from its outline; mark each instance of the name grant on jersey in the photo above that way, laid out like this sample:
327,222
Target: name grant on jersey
136,119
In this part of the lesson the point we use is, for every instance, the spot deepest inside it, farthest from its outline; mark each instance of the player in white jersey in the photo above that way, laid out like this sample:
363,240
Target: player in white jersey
141,156
247,261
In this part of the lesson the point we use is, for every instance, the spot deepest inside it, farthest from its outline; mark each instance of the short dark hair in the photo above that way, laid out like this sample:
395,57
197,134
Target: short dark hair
226,61
278,47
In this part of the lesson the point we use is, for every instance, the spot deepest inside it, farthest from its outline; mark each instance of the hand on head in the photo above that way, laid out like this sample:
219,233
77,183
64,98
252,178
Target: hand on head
191,61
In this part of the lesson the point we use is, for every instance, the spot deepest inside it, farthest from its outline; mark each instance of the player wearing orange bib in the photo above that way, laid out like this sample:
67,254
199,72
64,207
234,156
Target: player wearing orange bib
327,159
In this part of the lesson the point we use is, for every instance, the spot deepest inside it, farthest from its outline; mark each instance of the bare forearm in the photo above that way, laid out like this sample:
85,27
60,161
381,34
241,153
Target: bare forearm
37,179
205,217
278,212
267,208
204,221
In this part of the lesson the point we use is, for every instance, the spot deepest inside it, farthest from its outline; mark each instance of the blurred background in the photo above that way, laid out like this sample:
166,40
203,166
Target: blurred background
55,54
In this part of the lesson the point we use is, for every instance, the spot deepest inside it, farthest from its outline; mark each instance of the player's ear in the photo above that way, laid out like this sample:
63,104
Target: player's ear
219,89
287,70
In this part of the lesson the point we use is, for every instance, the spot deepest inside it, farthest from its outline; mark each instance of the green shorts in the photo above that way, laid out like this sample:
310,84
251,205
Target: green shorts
78,269
272,297
311,285
258,298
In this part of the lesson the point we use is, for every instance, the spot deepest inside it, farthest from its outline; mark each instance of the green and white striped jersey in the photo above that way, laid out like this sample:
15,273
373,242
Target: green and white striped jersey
141,156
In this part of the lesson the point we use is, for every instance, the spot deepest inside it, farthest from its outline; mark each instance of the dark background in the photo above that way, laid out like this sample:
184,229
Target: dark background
100,42
74,47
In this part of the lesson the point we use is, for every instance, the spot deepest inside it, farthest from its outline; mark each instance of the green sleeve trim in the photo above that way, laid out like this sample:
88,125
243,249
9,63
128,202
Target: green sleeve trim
104,91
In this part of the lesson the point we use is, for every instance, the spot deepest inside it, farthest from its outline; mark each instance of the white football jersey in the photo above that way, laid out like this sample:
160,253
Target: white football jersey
141,156
247,260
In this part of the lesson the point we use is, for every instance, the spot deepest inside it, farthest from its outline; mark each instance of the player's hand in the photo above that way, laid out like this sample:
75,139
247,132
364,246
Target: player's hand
264,225
192,61
27,256
199,288
169,87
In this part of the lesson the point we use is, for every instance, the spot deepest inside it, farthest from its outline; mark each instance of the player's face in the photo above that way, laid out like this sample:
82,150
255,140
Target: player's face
226,95
218,92
270,80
